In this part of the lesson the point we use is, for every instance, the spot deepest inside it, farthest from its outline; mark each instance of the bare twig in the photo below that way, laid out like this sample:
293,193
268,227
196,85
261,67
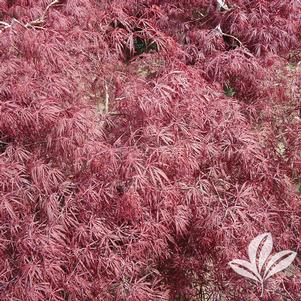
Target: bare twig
233,37
38,23
41,19
5,24
219,30
49,5
17,21
106,100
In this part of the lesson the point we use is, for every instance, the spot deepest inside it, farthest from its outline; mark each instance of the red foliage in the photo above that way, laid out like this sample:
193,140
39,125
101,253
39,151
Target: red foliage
143,144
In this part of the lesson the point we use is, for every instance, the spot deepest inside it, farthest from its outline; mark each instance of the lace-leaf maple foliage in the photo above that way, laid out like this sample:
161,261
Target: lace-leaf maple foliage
144,144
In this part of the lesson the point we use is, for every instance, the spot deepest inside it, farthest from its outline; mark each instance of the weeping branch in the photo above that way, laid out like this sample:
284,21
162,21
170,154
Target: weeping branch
41,20
37,24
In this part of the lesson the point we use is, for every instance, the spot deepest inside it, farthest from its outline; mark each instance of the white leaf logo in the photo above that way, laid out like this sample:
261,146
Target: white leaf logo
258,268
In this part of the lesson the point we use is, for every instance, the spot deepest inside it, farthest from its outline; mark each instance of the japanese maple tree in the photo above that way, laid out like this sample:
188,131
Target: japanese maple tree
144,144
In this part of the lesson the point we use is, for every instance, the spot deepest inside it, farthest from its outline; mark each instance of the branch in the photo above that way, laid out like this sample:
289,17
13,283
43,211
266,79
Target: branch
41,19
219,30
233,37
106,100
34,23
49,5
5,25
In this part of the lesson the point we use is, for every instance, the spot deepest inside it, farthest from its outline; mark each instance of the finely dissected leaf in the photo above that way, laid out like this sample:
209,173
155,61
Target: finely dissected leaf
245,268
276,264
